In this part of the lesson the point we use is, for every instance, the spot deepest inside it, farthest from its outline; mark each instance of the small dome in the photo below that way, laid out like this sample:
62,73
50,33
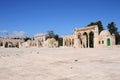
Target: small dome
105,33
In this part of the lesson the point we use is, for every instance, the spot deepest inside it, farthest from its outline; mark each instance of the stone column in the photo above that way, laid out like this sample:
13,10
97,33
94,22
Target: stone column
81,41
71,43
63,42
37,43
19,45
88,42
3,44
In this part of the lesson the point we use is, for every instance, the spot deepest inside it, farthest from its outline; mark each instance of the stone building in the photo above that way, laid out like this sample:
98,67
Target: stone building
89,37
40,41
37,42
68,41
9,42
105,39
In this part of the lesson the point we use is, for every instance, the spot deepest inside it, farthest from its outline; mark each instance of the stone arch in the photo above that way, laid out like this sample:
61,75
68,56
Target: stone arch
1,43
10,44
6,44
91,39
85,39
17,44
91,30
79,34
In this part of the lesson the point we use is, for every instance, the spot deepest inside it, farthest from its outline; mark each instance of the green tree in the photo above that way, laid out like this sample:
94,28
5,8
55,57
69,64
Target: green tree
50,34
114,30
27,38
98,23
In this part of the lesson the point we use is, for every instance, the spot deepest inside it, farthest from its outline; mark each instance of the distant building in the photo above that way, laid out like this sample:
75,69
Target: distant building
40,41
8,42
87,37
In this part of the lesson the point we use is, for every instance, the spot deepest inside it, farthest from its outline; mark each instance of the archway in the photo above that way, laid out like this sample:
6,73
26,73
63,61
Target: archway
10,44
17,45
91,39
108,42
6,44
85,40
1,43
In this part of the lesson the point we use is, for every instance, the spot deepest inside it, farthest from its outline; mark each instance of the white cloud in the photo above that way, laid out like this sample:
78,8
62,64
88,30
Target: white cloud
3,31
18,34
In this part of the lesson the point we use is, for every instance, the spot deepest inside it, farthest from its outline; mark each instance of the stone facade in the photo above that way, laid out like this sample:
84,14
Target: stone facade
40,41
37,42
89,37
8,42
105,39
68,41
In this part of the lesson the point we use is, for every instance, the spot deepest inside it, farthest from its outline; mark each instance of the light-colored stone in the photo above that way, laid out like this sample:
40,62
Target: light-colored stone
82,38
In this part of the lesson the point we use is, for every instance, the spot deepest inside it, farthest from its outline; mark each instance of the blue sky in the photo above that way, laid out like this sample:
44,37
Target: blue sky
61,16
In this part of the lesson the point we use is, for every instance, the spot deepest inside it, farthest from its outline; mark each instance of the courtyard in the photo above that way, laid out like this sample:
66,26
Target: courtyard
59,64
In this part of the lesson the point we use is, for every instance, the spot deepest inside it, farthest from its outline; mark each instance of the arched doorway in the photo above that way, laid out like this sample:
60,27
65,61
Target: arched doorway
6,44
108,42
91,39
85,38
1,43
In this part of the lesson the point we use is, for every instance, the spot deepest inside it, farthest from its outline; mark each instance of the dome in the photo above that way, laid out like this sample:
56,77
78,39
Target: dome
105,33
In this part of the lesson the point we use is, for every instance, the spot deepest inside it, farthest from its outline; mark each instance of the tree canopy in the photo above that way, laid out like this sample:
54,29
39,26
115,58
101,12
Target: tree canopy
114,30
98,23
51,34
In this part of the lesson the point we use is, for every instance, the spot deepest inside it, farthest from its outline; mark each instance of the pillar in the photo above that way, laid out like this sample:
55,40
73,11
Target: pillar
63,42
37,43
88,42
3,44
